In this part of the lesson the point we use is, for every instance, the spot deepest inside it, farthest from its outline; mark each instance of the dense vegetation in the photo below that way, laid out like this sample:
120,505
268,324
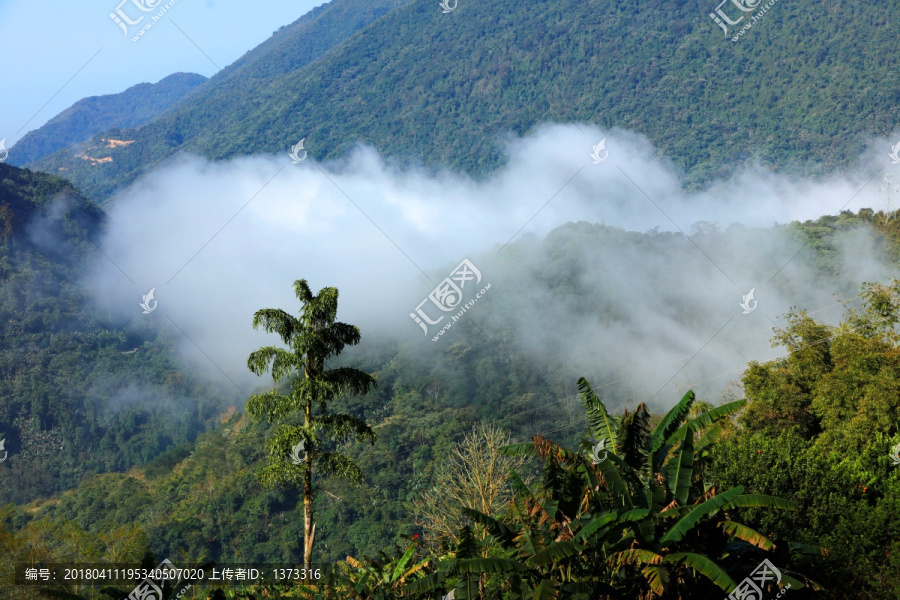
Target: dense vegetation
90,116
490,470
72,403
198,495
804,89
815,436
670,506
819,430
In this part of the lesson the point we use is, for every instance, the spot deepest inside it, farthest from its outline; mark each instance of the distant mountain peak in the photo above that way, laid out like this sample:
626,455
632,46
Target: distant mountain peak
90,116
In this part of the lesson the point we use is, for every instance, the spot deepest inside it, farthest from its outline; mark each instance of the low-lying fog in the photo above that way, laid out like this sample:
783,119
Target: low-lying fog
219,240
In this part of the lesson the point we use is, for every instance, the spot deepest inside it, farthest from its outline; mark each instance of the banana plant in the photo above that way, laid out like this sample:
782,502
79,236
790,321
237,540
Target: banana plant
384,579
635,522
660,468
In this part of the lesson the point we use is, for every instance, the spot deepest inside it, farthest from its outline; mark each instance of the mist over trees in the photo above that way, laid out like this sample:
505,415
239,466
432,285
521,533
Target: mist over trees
671,505
612,421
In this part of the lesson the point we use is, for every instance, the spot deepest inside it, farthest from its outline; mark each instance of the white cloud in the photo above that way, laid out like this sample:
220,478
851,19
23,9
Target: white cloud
301,225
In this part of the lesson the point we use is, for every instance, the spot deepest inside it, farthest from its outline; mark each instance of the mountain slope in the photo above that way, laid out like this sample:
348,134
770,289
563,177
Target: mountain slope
205,499
90,116
74,399
290,48
801,89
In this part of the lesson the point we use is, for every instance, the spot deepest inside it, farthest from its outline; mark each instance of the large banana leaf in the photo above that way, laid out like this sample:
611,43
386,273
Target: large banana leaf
710,437
431,581
714,414
528,545
705,567
696,424
671,422
594,525
644,528
634,556
603,427
657,578
634,438
742,532
681,470
590,477
519,486
687,522
548,589
555,553
634,515
519,450
615,483
398,570
500,531
467,588
550,507
675,512
706,419
653,494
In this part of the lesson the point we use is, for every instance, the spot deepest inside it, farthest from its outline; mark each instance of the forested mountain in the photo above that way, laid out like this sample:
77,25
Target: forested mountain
289,49
203,499
518,456
90,116
802,89
73,399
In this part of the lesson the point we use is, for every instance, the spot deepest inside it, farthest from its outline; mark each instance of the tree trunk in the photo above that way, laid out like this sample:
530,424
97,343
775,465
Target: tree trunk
309,529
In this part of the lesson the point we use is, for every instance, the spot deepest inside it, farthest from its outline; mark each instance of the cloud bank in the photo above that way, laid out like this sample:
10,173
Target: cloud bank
219,240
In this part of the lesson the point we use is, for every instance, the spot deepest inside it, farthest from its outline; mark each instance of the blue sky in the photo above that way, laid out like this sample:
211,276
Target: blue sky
55,52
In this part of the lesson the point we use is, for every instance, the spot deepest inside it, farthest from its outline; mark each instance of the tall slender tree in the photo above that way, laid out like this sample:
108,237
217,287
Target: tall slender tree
312,339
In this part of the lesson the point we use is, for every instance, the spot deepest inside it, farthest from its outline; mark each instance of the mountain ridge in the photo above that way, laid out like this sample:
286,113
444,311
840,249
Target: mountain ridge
95,114
445,90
